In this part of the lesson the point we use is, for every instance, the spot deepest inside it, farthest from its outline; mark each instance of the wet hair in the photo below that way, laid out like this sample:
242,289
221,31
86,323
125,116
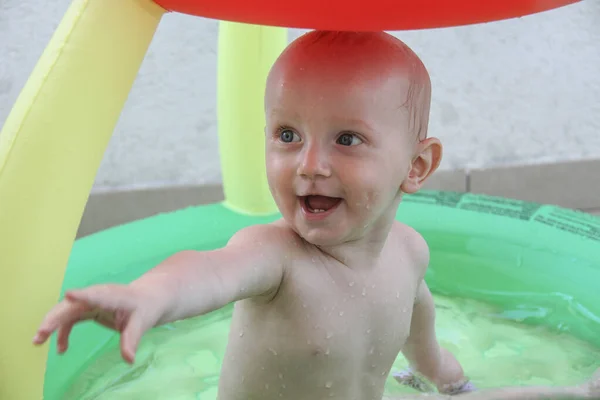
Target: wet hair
396,55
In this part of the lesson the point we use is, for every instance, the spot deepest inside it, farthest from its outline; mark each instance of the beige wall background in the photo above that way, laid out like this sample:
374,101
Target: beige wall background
523,91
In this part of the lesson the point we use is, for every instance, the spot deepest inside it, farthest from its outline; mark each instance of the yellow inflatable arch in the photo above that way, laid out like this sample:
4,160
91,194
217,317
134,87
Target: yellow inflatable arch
54,139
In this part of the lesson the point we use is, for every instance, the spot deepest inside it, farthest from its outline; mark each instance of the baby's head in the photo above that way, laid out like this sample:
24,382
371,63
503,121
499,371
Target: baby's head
347,116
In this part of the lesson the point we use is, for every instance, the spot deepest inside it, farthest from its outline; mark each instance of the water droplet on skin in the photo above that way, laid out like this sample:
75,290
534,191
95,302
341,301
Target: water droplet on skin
397,295
341,313
280,375
372,350
329,335
263,368
267,386
368,331
328,385
308,342
303,305
351,296
404,309
351,284
241,333
283,385
313,259
273,351
364,291
373,286
373,366
327,352
243,289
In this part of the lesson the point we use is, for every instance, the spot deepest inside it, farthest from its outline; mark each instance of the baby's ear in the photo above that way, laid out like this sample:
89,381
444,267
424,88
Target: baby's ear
427,160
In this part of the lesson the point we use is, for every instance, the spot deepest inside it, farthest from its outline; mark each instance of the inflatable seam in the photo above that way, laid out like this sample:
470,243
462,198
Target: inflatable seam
12,137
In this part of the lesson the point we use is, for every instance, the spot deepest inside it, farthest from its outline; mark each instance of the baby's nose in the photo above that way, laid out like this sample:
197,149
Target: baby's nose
314,162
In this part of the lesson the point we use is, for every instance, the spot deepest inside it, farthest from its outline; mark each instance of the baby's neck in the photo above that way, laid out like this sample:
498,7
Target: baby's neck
361,252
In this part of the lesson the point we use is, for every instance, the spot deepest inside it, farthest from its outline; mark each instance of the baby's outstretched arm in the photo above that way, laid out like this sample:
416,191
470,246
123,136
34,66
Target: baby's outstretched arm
195,283
424,353
187,284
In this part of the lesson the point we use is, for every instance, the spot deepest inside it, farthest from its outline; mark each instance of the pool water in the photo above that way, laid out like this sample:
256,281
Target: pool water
182,360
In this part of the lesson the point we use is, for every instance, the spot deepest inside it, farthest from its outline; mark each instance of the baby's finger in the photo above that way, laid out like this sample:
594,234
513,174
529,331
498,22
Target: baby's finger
131,335
65,312
110,297
62,340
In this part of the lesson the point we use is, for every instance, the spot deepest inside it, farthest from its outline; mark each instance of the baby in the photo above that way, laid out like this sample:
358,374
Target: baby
329,295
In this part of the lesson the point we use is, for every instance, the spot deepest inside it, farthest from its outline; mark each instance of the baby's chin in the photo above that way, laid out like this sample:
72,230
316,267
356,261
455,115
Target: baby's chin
340,230
323,240
323,236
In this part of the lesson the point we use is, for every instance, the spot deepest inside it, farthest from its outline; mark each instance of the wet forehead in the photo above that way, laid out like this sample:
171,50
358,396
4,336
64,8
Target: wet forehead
344,94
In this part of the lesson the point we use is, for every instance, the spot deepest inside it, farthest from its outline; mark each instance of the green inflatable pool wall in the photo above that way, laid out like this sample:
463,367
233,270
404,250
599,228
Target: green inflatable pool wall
539,263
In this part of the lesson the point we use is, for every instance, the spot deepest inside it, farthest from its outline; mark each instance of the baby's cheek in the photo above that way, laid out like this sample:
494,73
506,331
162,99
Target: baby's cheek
277,175
376,185
283,192
279,196
366,201
378,196
377,201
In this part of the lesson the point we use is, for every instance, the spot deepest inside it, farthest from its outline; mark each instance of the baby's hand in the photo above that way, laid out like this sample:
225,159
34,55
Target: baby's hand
123,308
409,378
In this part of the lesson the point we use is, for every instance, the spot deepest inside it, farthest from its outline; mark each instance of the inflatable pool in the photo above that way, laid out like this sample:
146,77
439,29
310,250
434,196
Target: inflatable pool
54,139
535,264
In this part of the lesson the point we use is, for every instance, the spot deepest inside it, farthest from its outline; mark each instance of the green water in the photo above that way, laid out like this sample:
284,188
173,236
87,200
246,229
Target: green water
182,360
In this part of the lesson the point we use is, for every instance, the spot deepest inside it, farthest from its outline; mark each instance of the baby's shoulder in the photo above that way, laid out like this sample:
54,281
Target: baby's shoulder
412,244
275,235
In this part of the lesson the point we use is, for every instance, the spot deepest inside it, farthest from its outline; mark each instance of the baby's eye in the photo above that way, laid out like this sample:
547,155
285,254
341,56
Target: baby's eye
288,136
349,139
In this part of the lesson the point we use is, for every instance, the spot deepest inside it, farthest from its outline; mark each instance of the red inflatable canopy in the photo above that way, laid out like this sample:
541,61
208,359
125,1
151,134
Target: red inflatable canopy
373,15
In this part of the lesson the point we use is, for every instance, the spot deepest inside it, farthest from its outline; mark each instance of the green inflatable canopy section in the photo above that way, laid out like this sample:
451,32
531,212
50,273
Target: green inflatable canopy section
539,263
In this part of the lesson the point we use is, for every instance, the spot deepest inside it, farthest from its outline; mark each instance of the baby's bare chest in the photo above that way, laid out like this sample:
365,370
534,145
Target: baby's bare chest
332,312
327,331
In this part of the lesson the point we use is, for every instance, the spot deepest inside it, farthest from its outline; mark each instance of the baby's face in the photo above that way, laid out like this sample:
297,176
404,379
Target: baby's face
338,148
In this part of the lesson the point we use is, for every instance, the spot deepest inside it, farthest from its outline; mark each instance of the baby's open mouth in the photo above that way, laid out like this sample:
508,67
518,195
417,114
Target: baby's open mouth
316,204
